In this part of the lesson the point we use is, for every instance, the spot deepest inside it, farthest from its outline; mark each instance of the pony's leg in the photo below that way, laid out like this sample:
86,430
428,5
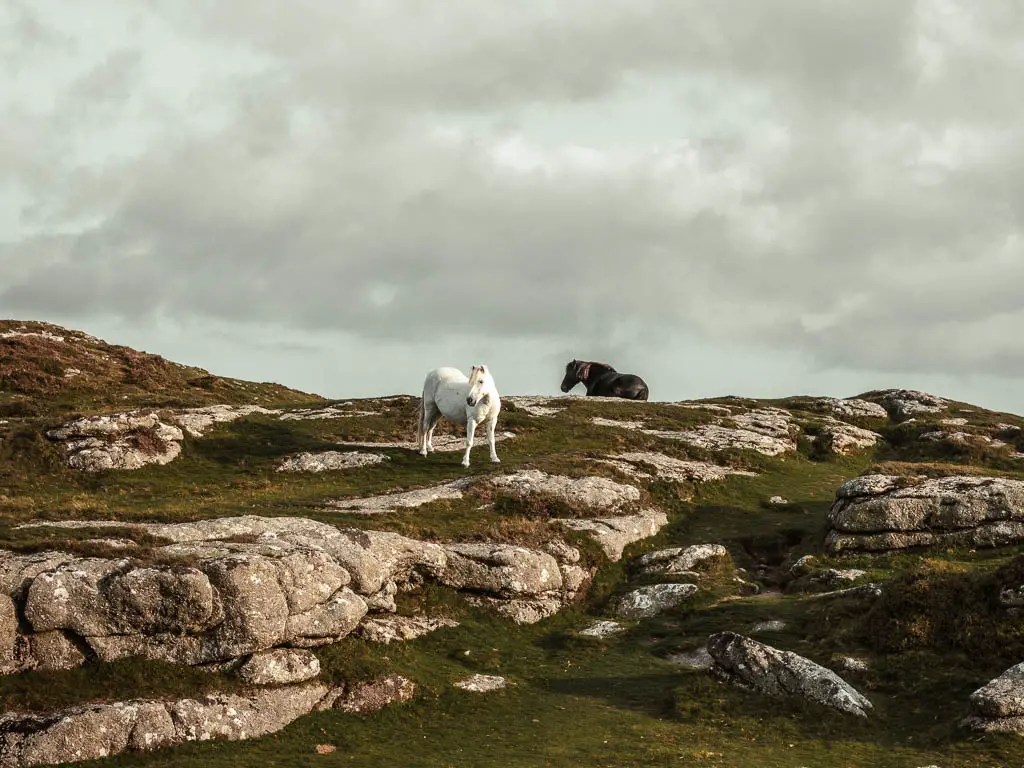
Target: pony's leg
470,429
427,426
491,422
434,420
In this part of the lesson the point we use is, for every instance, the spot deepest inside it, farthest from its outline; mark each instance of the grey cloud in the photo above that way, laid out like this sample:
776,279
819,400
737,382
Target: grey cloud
860,211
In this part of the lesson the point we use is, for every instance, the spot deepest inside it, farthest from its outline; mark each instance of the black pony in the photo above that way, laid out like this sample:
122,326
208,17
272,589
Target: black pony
601,380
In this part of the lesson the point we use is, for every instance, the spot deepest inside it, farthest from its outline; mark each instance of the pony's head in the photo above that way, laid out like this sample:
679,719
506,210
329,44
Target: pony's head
480,385
575,372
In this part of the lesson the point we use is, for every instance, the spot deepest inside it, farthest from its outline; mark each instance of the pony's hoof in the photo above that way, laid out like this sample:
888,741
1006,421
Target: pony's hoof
465,462
423,453
495,460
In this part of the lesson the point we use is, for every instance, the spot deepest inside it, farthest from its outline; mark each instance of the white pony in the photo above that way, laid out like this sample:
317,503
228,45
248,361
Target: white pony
470,402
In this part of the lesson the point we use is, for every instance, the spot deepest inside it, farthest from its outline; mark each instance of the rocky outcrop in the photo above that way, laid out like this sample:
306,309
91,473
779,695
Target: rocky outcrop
906,403
119,441
102,730
769,431
585,493
651,600
328,461
853,407
537,406
999,704
614,534
681,561
521,584
773,672
883,512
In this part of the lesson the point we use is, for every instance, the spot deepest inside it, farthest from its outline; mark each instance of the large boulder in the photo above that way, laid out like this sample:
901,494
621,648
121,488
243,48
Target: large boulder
653,599
999,704
118,441
883,512
773,672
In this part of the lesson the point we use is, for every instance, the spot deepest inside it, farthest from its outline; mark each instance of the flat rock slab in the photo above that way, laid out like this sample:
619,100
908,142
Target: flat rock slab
645,602
773,672
769,431
400,629
614,534
584,493
93,731
648,464
336,411
538,406
481,683
886,512
328,461
403,500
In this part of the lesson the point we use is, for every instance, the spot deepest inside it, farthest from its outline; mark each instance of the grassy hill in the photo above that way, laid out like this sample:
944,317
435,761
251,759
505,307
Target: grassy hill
935,636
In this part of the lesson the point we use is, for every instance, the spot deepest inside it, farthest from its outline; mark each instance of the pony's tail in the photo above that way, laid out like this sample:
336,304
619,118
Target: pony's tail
419,424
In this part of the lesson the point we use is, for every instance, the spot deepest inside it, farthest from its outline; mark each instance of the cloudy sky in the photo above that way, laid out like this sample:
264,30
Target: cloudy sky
729,197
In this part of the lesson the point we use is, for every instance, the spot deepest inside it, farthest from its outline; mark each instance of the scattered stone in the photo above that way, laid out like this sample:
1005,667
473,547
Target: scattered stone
772,625
93,731
577,493
883,512
803,566
325,749
614,534
394,502
834,577
778,501
681,561
868,591
366,698
851,664
602,629
283,666
773,672
329,461
1012,597
393,629
957,422
481,683
617,423
651,600
696,659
